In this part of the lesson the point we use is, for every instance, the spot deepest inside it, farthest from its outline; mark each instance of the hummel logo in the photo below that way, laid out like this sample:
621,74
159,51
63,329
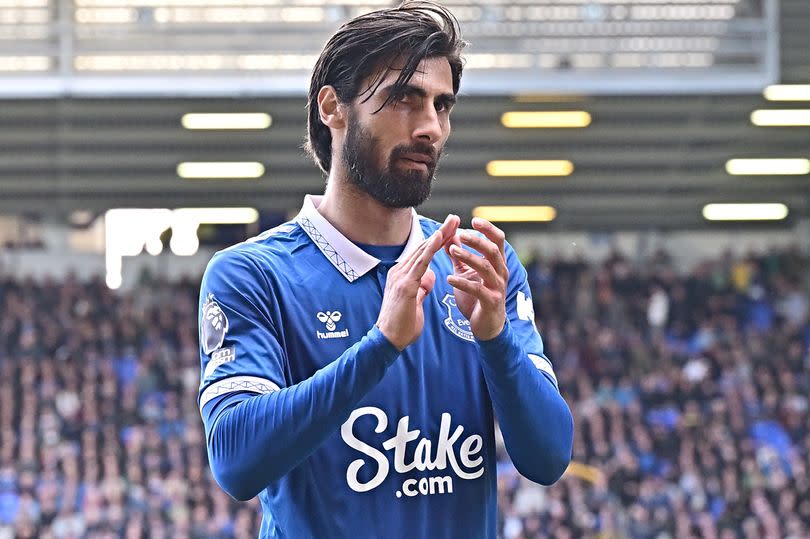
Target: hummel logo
330,318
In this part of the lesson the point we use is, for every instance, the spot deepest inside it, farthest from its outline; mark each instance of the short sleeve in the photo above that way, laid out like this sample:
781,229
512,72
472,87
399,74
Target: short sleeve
240,349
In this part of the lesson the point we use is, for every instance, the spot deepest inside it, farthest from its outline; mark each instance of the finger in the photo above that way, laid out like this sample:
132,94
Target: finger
411,258
488,249
449,228
470,286
492,232
458,266
422,261
469,274
478,263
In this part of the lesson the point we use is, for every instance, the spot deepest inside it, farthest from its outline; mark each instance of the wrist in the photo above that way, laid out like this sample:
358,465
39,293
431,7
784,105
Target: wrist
392,341
492,333
382,346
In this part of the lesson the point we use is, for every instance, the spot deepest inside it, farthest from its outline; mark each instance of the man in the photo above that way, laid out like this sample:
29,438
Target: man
353,357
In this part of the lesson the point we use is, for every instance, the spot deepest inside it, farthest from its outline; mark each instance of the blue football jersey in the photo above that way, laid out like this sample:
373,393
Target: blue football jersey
414,455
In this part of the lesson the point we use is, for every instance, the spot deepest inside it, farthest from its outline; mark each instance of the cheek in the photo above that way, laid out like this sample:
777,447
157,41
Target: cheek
384,150
440,144
385,143
446,130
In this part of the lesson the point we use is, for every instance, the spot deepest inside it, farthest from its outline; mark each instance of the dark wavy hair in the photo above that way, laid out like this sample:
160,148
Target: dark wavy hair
367,45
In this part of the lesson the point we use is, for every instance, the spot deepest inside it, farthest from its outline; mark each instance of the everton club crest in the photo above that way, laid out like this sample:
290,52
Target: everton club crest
455,321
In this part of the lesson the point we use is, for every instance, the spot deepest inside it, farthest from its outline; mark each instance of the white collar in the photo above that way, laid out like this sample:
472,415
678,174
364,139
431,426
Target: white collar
348,258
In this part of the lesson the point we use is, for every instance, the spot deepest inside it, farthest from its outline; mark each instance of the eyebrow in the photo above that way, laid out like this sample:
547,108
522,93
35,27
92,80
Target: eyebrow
409,89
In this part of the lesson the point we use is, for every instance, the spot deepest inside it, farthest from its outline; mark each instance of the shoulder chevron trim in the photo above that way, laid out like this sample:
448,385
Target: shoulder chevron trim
234,384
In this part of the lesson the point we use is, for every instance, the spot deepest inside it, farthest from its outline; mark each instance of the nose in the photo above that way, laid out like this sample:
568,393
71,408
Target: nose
428,126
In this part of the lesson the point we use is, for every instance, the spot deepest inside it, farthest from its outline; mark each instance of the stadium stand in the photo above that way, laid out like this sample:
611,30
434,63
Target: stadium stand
689,393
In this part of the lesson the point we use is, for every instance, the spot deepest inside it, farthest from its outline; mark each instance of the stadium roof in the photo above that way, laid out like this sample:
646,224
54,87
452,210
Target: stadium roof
644,160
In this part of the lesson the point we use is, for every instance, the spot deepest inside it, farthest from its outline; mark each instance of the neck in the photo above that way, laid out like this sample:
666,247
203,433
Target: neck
361,218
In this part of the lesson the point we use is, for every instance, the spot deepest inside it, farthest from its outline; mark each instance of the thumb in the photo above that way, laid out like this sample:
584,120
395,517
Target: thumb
420,295
425,285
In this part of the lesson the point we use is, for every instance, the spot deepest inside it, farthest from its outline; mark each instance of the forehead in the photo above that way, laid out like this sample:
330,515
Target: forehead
433,75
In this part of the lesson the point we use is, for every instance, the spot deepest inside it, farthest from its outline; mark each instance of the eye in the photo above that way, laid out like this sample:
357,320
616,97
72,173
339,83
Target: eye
399,99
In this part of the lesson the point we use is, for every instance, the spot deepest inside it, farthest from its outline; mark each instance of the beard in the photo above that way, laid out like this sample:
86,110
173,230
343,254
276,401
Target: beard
391,186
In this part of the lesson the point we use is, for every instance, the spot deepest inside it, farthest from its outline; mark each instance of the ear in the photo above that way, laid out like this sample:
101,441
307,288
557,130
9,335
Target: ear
330,110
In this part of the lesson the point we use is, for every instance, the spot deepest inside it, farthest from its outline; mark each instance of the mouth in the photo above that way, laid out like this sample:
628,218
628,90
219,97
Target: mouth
418,160
414,164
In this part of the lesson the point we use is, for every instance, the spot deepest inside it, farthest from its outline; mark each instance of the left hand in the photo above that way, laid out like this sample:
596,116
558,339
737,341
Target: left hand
479,281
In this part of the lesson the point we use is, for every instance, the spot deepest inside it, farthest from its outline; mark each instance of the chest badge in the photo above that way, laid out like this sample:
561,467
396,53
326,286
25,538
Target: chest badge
330,320
455,321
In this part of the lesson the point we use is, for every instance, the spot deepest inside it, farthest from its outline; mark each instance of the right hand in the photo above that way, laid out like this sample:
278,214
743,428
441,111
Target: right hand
401,316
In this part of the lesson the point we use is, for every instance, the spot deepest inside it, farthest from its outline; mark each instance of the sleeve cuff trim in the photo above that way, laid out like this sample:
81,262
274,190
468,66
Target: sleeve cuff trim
235,384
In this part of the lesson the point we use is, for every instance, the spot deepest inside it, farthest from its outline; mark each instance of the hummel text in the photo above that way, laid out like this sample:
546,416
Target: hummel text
332,334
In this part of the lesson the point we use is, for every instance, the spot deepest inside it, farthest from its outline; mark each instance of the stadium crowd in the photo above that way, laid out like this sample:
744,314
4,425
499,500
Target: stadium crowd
689,392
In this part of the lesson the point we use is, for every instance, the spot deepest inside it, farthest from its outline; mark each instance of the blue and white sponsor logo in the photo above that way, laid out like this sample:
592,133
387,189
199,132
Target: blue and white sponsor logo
455,321
213,326
330,319
447,457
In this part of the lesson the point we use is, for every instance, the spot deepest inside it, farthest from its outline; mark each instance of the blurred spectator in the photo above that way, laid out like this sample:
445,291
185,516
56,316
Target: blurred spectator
689,392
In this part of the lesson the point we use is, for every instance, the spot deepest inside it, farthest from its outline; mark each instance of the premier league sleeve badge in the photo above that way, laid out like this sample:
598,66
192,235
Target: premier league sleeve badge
213,326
